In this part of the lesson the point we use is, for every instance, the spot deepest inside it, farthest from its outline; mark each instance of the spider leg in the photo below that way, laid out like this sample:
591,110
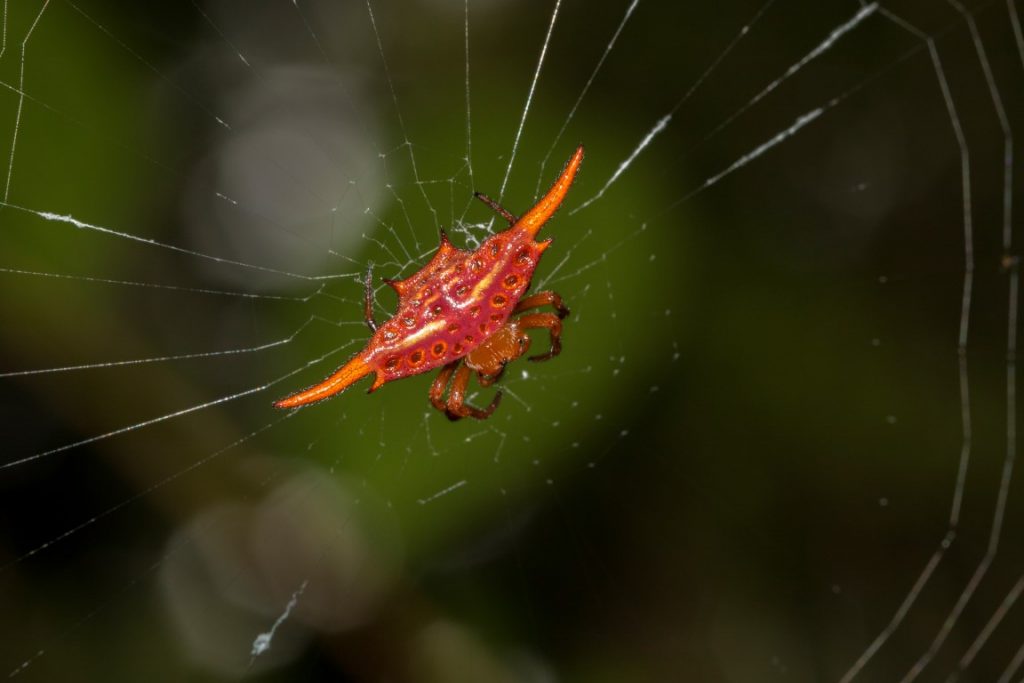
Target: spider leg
488,380
457,408
368,300
512,220
553,324
538,299
440,384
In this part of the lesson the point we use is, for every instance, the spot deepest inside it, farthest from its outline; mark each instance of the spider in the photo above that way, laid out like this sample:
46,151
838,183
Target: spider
461,312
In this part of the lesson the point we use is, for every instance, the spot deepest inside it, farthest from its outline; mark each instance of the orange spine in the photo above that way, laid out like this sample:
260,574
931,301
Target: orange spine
534,219
350,372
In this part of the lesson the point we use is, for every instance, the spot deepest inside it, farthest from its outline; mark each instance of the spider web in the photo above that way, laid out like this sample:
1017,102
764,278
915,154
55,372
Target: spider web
779,441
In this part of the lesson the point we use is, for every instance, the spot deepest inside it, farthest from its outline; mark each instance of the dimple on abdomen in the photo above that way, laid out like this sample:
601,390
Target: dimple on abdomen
465,303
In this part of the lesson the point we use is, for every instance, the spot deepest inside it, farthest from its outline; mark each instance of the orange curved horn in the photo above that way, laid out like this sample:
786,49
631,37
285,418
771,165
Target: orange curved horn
350,372
534,219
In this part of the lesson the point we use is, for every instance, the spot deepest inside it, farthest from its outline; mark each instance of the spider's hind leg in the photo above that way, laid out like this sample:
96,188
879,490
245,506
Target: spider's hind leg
368,300
498,208
440,384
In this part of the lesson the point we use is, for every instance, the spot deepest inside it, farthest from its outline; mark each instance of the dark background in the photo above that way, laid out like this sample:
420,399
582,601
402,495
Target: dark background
762,431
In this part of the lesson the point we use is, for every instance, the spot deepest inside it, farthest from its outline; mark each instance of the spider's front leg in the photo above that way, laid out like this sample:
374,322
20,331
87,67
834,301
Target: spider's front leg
546,298
487,380
457,408
553,324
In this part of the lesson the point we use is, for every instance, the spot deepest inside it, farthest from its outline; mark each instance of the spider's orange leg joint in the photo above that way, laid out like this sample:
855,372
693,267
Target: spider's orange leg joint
350,372
534,219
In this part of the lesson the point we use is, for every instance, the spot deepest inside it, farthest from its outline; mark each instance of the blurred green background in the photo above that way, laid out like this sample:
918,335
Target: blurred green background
751,447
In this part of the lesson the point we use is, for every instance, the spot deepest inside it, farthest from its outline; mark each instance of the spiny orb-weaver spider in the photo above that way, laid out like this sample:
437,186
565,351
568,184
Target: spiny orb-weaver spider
456,312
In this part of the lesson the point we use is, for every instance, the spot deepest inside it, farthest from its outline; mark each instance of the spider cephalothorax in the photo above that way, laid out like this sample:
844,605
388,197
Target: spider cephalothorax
457,313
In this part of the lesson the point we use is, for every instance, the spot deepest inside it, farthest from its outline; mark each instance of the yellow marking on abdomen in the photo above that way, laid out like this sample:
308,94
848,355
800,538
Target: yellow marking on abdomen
481,286
419,334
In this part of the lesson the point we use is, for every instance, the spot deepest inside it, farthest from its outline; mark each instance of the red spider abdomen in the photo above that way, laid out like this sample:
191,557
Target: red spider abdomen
453,305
